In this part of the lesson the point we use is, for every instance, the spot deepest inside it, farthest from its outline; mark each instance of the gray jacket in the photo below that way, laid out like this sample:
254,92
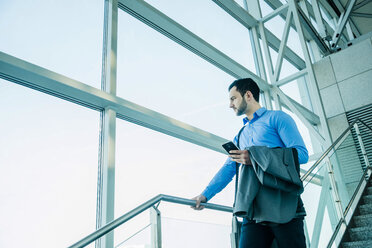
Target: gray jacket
269,189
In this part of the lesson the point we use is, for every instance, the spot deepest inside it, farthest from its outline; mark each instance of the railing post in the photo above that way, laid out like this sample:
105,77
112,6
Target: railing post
364,153
336,195
155,217
235,233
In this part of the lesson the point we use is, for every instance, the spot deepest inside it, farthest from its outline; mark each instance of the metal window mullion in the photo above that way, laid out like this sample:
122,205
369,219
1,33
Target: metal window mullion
278,105
273,14
254,8
106,183
313,89
269,63
256,49
292,107
260,64
291,78
324,193
284,39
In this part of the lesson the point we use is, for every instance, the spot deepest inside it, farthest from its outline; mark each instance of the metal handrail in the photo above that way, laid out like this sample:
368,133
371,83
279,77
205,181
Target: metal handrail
131,214
366,173
304,177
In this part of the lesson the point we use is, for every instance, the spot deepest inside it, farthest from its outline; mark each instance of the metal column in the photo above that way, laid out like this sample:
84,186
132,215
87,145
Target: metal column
106,170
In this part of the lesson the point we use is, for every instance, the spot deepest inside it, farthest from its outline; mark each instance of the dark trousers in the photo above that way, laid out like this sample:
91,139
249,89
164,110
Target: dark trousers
288,235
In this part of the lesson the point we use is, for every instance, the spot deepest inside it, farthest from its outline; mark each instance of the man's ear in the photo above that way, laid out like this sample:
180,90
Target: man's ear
248,95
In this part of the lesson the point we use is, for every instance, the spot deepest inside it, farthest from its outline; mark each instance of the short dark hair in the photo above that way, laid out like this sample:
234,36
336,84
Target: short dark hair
246,84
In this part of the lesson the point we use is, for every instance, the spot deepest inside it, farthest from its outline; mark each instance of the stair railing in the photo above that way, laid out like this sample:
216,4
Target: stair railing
363,182
340,229
333,146
345,215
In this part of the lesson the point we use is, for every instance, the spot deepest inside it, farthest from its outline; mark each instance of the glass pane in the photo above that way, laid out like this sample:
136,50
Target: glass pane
48,159
184,234
172,80
327,231
62,36
311,197
305,134
151,163
136,233
241,3
180,226
348,169
211,23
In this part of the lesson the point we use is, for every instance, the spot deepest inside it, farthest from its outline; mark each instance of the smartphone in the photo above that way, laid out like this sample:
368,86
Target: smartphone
229,146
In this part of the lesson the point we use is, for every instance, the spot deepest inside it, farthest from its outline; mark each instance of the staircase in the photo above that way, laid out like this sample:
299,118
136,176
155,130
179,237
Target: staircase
359,232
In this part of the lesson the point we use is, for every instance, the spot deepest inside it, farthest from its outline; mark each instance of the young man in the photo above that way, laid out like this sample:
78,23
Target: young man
261,128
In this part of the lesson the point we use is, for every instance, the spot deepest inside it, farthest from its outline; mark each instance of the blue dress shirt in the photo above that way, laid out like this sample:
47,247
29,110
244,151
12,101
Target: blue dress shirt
267,128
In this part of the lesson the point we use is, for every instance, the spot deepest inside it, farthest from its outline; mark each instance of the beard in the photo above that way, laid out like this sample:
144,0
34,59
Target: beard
241,108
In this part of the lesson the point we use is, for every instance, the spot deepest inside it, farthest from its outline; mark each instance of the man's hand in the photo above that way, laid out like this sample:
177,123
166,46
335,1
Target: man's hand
240,156
199,199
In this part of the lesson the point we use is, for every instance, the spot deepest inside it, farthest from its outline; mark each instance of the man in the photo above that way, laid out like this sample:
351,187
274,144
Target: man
262,128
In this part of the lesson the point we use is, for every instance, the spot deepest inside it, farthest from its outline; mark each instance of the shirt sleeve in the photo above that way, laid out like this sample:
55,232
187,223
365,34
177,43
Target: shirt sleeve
290,135
222,178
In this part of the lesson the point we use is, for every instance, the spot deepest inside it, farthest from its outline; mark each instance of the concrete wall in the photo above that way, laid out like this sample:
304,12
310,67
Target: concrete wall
345,83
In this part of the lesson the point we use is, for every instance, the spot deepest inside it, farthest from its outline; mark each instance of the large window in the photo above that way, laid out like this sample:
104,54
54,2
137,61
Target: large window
49,148
48,162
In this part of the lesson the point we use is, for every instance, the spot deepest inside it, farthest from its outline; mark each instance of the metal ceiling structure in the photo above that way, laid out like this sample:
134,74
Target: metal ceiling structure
323,27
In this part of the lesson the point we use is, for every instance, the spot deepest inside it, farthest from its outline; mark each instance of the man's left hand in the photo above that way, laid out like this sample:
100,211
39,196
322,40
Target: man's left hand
240,156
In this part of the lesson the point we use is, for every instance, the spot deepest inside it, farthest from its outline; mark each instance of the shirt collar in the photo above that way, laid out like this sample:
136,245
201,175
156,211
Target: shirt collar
256,114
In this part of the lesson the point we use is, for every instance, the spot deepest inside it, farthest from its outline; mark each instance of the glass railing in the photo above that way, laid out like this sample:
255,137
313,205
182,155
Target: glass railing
187,233
141,239
179,226
181,233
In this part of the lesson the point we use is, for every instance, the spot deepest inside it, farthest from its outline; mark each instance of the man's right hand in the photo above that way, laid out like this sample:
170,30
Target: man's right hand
199,199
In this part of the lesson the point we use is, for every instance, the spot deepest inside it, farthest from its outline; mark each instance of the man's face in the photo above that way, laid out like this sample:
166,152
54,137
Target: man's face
237,102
